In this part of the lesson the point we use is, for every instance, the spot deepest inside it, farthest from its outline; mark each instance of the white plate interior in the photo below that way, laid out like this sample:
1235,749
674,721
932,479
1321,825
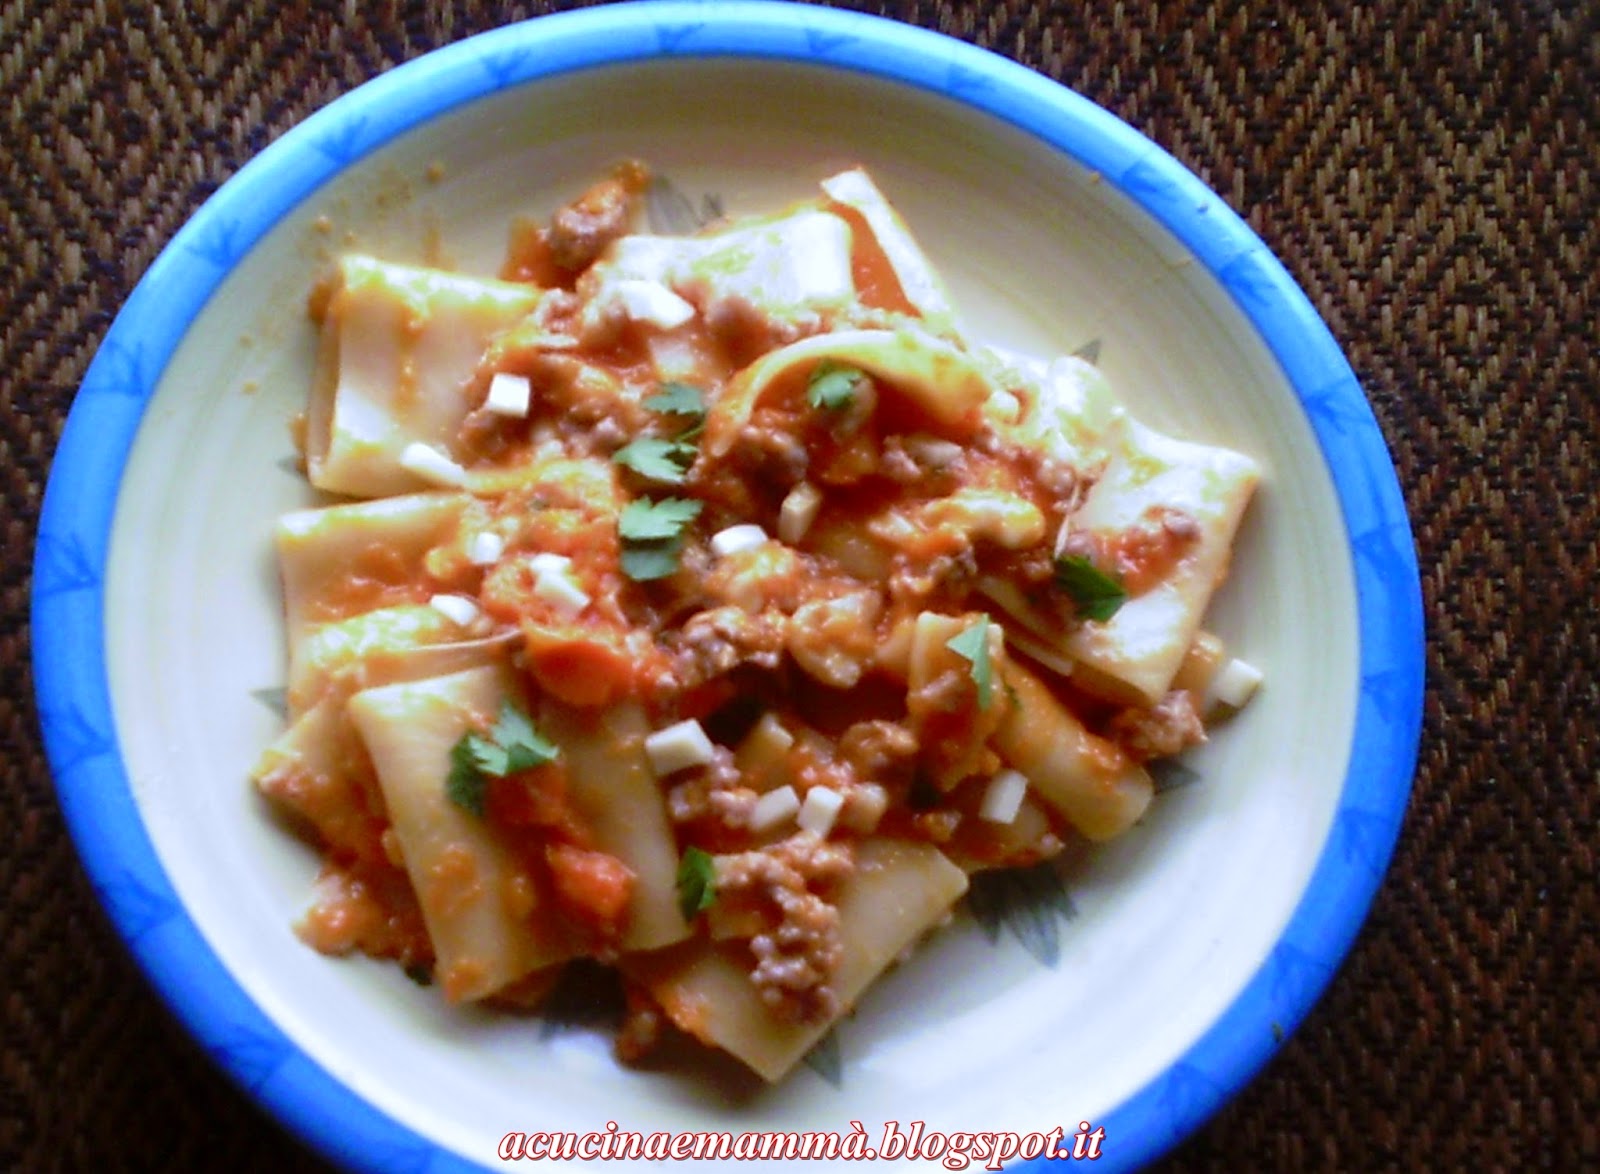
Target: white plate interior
1043,256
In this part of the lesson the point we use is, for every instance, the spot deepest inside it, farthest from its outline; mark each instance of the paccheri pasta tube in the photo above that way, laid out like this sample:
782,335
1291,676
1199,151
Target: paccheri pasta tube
714,608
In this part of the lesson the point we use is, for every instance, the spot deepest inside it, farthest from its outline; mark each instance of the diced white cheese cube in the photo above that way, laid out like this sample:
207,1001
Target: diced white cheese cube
1003,797
678,747
509,395
798,511
771,734
652,303
560,590
432,465
544,562
864,808
736,538
774,808
457,608
1236,683
819,810
485,548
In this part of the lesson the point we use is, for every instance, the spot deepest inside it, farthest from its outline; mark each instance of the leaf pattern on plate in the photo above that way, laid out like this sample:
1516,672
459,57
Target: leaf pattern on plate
74,736
824,44
586,996
962,82
1089,352
1030,902
671,37
137,905
1171,774
63,562
119,369
252,1055
671,213
275,699
826,1059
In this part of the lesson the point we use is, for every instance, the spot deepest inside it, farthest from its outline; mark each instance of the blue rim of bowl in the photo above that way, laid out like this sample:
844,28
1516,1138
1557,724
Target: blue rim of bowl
75,529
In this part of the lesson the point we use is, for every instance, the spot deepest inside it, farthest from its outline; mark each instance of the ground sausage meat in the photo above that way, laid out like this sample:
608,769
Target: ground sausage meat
581,231
768,449
881,751
1162,730
717,640
716,795
796,959
919,580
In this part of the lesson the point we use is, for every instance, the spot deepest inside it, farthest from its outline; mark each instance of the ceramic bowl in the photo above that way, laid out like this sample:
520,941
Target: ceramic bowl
1136,994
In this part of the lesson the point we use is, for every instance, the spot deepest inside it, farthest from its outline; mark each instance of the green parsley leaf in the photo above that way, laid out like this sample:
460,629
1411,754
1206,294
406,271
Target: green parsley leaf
832,386
666,461
524,747
677,399
643,520
467,784
1096,594
645,561
512,726
972,644
652,534
513,744
697,883
489,755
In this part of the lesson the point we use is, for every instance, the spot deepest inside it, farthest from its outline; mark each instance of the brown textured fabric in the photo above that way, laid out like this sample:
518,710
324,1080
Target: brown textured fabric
1432,178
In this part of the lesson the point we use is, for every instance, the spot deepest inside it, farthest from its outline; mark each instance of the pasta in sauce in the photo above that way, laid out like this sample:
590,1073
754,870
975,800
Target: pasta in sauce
712,607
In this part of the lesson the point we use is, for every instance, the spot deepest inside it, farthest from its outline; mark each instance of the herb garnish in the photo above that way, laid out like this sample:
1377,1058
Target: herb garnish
644,520
652,560
667,459
972,644
697,882
832,386
512,745
652,534
1096,594
656,459
677,399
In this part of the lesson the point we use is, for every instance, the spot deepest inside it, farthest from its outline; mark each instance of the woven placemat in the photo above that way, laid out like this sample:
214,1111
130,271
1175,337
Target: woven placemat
1432,179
